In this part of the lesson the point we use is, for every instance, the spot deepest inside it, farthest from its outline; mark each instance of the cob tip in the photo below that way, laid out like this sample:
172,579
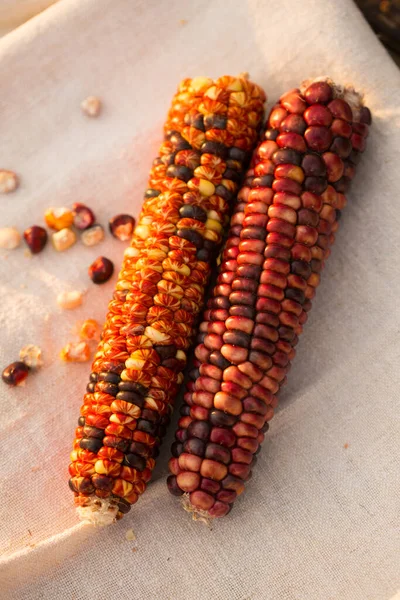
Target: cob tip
98,512
345,92
197,514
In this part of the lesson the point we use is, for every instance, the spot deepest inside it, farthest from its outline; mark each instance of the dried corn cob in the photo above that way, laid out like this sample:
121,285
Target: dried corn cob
210,132
280,236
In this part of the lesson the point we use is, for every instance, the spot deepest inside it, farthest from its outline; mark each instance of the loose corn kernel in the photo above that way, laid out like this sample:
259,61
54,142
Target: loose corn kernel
58,218
63,239
75,352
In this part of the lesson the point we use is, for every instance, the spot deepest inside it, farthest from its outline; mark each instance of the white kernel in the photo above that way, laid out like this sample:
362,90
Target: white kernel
93,236
75,352
31,355
63,239
130,535
8,181
91,106
9,238
69,300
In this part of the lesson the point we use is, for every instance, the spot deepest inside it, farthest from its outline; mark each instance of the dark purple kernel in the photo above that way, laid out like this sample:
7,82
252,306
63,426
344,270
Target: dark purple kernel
286,333
106,388
199,429
185,409
286,156
90,387
81,421
218,360
301,267
179,172
253,233
83,216
131,386
149,193
313,165
271,134
35,238
135,461
294,123
139,449
176,449
101,270
341,146
192,236
242,310
93,432
342,185
338,214
220,419
215,148
295,294
15,373
249,271
265,181
119,444
213,121
365,116
237,338
147,426
195,446
237,154
132,397
218,453
192,211
123,506
173,487
109,377
316,185
91,444
224,193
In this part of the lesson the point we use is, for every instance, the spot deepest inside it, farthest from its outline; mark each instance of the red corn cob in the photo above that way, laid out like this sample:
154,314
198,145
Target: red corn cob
210,132
281,233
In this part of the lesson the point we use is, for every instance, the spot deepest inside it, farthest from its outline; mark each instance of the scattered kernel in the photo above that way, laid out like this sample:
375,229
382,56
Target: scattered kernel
35,238
58,218
35,469
93,236
90,330
63,239
130,535
75,352
101,270
15,374
182,22
91,106
10,238
69,300
122,226
346,445
8,181
31,355
83,215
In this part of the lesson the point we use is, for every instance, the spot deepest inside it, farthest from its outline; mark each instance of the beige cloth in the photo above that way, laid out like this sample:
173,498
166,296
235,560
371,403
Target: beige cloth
319,520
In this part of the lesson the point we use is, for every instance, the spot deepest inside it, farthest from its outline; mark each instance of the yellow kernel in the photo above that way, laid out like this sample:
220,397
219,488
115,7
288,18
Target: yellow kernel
206,188
235,86
200,83
155,335
213,225
58,218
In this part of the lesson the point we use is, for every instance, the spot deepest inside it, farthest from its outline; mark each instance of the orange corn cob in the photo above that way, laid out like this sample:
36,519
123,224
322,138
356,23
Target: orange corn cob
280,236
210,132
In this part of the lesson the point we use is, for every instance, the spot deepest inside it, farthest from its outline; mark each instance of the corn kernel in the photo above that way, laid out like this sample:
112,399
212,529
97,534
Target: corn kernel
63,239
75,352
69,300
58,218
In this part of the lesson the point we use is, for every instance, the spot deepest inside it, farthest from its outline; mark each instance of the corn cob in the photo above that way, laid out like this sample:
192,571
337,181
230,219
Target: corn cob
280,236
211,129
